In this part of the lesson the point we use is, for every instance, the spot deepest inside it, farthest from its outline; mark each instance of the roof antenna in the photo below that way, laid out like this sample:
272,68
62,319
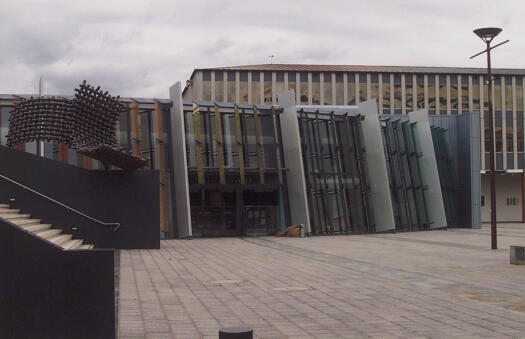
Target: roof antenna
271,58
41,86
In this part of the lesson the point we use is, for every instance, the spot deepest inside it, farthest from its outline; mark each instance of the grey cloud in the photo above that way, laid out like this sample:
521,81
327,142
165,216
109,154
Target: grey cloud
141,47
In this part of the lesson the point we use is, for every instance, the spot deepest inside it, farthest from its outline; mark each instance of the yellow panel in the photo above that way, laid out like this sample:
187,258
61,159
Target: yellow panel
220,146
238,134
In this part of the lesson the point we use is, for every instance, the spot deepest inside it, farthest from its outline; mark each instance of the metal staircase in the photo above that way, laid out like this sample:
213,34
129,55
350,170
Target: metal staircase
43,231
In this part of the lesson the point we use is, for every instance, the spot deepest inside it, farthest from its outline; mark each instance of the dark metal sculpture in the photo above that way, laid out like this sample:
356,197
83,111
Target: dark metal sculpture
87,124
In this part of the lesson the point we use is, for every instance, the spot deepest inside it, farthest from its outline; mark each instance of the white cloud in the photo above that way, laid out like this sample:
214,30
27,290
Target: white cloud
141,47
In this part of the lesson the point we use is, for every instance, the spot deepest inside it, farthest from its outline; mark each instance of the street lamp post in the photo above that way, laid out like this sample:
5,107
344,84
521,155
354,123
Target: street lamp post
487,35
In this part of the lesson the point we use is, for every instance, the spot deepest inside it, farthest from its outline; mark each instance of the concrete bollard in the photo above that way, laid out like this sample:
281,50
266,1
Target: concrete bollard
235,333
517,255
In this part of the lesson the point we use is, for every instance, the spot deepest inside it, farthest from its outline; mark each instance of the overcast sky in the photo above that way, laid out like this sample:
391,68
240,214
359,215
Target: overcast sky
141,47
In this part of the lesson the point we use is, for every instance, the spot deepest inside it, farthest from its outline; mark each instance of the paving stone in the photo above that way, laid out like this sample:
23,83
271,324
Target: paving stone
422,284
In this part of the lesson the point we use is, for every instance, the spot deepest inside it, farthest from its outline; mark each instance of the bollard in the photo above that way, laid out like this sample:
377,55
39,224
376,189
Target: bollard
517,255
235,333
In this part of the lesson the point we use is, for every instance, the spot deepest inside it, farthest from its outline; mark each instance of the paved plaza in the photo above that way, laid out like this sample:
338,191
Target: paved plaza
424,284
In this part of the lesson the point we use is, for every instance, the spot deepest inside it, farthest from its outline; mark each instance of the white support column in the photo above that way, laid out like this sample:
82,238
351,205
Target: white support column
261,87
179,175
225,86
198,85
345,88
250,99
414,92
237,87
274,88
470,92
309,88
293,158
392,94
460,95
380,96
503,123
514,124
449,107
321,88
212,87
334,96
482,121
403,95
429,169
356,82
297,87
425,90
369,86
377,170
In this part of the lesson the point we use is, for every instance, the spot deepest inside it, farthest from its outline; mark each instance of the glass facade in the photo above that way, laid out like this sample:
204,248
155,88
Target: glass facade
386,93
327,89
304,88
454,99
440,93
267,88
316,89
447,175
404,174
351,89
443,97
409,92
235,169
432,108
335,173
362,87
256,88
292,80
420,92
339,89
243,87
397,93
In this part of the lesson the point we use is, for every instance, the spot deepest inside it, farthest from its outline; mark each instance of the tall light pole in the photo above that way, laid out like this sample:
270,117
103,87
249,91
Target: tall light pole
487,34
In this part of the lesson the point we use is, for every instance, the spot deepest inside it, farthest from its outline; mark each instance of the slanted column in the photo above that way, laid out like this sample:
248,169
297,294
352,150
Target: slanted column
377,169
136,134
258,138
199,143
240,143
429,169
278,145
220,144
160,150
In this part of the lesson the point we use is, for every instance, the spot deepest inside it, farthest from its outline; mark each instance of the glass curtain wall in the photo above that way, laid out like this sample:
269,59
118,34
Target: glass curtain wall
409,93
235,163
402,157
335,172
351,88
454,94
447,175
519,121
327,88
432,94
386,93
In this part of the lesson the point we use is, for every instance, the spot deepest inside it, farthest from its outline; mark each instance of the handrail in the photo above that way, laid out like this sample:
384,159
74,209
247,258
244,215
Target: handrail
114,225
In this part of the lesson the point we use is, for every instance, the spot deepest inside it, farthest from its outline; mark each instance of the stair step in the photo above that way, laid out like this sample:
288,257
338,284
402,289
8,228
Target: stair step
8,210
4,206
86,247
37,227
60,239
26,222
12,216
46,234
72,244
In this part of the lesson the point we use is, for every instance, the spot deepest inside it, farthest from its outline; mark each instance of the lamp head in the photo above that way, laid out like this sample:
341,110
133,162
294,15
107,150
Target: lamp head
488,33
